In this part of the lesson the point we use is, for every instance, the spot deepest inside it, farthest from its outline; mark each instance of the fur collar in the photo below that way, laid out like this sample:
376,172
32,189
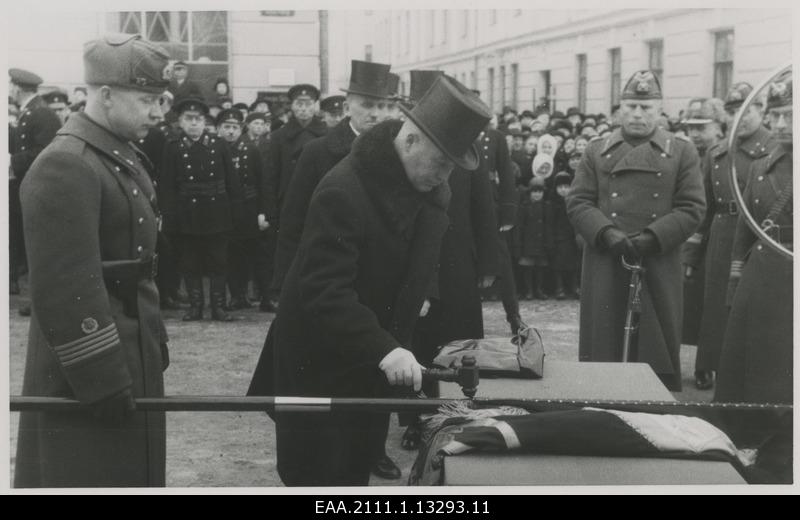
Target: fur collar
380,171
316,127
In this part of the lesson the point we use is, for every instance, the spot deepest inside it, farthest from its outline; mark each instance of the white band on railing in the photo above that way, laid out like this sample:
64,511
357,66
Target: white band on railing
285,404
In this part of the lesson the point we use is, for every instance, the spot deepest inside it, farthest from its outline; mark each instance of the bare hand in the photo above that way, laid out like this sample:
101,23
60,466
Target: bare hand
402,369
688,273
262,222
486,281
507,227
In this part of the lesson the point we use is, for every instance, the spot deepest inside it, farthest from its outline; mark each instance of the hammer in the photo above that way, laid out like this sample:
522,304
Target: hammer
466,375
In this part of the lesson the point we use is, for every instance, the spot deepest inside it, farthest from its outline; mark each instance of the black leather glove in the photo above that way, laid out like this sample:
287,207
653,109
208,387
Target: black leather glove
618,242
116,408
646,244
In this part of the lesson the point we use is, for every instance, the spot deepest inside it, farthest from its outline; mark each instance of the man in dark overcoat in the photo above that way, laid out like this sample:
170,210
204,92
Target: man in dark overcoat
363,269
96,335
638,193
367,104
36,127
286,144
712,243
201,198
757,352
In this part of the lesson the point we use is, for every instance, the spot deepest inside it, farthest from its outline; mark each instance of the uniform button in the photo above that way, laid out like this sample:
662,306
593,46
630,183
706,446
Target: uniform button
191,178
615,195
663,155
212,174
719,199
716,166
140,249
117,168
653,215
23,136
756,201
212,162
608,156
116,152
759,247
194,200
213,198
135,192
22,148
760,178
656,195
485,147
141,220
613,175
659,174
24,124
613,214
717,183
188,166
186,155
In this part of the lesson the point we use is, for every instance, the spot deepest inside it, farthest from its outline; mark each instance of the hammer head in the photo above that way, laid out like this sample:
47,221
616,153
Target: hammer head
468,376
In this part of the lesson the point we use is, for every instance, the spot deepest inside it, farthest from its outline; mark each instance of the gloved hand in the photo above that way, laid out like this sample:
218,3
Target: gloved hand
688,272
618,242
426,307
645,244
486,281
401,369
116,408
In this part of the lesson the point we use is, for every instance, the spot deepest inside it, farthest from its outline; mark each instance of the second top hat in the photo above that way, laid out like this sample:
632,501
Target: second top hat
369,79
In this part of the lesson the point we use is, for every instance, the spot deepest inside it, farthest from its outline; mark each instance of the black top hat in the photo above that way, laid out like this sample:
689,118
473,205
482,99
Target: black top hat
421,82
369,79
393,84
452,117
190,103
304,89
230,115
332,104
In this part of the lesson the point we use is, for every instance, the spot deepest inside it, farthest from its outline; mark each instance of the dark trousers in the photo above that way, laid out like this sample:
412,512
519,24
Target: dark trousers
169,278
16,239
505,280
203,255
271,290
248,258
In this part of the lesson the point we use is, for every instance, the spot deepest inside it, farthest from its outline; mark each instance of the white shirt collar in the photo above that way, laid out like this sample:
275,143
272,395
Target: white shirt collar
353,128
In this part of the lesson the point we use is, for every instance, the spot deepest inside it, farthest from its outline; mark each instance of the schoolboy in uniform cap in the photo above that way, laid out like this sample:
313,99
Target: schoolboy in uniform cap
91,221
201,199
367,103
713,241
637,193
243,108
363,268
332,108
36,127
58,101
757,352
229,125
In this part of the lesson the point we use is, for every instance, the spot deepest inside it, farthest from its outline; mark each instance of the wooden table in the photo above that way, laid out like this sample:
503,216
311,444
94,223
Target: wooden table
574,380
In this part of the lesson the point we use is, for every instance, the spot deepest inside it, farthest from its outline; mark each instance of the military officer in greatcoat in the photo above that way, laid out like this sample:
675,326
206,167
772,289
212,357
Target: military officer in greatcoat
286,144
247,254
96,334
36,127
757,351
637,193
714,240
496,160
201,199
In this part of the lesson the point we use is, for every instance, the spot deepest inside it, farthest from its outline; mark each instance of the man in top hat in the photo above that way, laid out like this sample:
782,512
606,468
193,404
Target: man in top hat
246,251
36,126
367,103
58,101
713,242
756,361
332,110
362,271
705,126
639,194
91,221
201,199
180,86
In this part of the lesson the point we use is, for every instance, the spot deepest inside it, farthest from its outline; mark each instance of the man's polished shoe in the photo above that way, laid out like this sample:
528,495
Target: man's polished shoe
385,468
704,379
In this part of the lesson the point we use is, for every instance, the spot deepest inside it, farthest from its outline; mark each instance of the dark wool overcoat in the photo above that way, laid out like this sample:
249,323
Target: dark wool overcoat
88,204
655,186
365,264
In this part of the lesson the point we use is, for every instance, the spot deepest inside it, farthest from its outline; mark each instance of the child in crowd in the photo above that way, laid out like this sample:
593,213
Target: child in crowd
531,239
563,248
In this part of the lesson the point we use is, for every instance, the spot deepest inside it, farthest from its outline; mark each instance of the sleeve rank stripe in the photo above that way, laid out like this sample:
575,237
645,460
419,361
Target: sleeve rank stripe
91,336
89,348
90,354
84,342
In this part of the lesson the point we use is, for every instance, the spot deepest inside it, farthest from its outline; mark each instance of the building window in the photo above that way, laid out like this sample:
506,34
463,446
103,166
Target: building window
368,52
514,84
615,59
444,25
490,88
200,36
473,83
464,23
502,86
432,28
655,59
723,63
582,82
